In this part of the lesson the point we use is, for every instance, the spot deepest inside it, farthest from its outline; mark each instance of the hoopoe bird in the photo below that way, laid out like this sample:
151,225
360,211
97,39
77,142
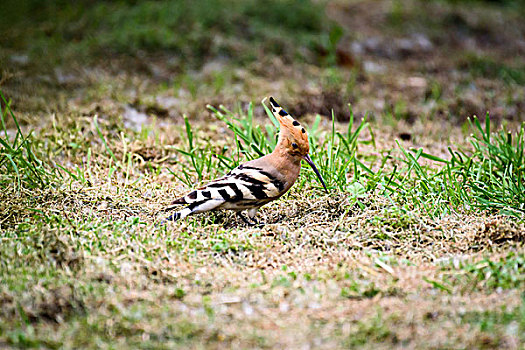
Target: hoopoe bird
257,182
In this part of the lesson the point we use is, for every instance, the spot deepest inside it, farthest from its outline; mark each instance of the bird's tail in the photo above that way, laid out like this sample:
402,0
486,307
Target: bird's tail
181,214
197,203
175,204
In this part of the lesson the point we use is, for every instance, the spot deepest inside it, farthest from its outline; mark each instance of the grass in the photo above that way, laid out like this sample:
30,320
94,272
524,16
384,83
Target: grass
418,244
507,272
495,172
499,322
19,162
50,249
218,29
490,178
486,66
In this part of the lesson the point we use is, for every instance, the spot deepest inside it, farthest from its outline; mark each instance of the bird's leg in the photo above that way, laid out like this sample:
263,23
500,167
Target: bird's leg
251,215
243,218
252,223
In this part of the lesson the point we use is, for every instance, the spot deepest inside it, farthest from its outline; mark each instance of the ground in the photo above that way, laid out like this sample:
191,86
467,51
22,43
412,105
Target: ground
419,243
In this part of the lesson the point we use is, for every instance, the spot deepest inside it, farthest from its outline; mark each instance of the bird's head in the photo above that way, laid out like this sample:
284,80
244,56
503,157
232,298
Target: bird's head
293,137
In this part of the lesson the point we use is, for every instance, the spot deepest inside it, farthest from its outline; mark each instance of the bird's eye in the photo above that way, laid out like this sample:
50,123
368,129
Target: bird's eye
294,145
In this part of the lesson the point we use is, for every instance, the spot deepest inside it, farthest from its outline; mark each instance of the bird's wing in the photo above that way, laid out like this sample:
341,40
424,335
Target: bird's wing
257,182
244,183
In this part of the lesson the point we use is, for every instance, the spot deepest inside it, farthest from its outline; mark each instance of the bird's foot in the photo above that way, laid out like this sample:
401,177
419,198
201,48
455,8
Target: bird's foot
251,223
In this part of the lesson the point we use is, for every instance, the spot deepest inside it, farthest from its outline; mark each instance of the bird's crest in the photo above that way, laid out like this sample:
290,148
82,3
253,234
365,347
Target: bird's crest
290,126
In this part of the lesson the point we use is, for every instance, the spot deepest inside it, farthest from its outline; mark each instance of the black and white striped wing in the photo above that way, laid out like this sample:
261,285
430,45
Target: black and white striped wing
245,187
255,183
242,184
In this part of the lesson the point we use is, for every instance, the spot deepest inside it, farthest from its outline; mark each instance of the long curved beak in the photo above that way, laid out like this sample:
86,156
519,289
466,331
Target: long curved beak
309,161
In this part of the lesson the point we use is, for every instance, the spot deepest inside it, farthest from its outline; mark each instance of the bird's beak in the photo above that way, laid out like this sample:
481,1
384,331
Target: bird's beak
309,161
